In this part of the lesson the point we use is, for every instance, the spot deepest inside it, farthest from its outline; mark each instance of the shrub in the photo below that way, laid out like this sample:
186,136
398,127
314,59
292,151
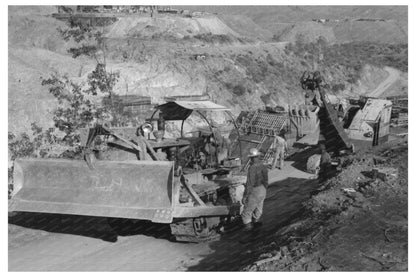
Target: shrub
211,38
239,90
20,146
338,87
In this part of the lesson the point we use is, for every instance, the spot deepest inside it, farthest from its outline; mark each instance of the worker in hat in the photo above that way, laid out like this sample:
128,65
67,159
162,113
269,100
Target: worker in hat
255,191
280,147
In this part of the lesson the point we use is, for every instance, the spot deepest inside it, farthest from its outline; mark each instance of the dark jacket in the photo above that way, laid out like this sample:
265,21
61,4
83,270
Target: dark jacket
325,166
325,159
257,175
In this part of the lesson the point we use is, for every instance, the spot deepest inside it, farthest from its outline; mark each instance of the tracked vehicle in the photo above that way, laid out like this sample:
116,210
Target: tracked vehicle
138,174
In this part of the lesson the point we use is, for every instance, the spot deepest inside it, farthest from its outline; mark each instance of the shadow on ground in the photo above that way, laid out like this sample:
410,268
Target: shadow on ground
283,204
107,229
300,158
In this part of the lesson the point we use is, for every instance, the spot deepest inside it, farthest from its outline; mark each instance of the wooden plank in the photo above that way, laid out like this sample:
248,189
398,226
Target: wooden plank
192,192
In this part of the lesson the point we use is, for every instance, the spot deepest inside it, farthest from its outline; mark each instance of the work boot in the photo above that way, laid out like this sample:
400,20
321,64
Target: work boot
257,224
249,233
234,226
248,227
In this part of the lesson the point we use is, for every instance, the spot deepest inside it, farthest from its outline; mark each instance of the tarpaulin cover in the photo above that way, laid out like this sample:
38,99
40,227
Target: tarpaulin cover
181,110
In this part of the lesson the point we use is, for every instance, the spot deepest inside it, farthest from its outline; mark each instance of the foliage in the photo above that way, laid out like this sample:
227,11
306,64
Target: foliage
21,146
257,69
48,143
213,38
91,40
238,89
74,109
338,87
77,102
380,54
351,56
100,80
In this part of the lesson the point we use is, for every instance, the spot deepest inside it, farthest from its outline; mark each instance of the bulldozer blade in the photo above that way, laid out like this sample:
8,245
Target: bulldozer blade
125,189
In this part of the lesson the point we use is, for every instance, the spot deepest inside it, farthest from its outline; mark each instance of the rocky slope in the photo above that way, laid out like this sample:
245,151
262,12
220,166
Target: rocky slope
278,19
355,223
157,57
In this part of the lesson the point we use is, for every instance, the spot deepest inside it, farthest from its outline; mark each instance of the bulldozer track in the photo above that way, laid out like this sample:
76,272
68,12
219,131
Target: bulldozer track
185,231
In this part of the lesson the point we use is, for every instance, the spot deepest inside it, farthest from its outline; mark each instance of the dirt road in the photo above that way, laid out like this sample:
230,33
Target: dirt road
394,75
39,242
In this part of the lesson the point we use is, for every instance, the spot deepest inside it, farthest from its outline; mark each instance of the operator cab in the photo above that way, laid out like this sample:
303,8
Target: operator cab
205,149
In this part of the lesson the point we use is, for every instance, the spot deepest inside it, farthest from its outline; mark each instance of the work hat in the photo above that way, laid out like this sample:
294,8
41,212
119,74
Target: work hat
254,152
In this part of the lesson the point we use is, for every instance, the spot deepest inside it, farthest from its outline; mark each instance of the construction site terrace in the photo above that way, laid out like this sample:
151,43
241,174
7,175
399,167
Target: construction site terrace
154,179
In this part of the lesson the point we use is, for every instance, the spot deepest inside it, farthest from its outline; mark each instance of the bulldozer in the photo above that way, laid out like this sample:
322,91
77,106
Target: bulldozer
138,174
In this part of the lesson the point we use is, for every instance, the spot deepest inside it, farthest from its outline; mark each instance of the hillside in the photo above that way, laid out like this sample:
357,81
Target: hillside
175,26
267,16
309,31
156,57
278,19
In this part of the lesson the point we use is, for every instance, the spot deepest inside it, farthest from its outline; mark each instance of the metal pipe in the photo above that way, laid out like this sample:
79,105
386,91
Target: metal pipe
183,121
154,112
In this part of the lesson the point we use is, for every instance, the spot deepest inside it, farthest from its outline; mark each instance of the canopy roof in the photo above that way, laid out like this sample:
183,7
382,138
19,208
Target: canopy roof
181,110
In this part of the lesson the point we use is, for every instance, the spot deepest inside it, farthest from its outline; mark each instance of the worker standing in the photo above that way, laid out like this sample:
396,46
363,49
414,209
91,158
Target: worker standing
325,163
255,191
280,146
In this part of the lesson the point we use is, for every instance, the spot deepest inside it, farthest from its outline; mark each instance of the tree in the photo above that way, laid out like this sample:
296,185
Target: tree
91,43
76,106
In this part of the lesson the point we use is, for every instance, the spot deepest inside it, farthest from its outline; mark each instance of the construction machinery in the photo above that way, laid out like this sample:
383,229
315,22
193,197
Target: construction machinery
137,173
351,124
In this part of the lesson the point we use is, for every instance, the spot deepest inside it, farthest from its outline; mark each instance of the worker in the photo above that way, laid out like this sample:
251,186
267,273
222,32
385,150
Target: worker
325,163
311,82
162,156
280,146
255,191
309,97
172,154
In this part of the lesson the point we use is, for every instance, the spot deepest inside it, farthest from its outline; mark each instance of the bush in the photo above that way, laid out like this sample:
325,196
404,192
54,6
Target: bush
239,90
338,87
257,70
351,56
50,143
211,38
20,146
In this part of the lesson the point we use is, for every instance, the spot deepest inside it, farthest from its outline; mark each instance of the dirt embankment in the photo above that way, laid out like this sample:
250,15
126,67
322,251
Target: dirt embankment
375,82
175,26
241,75
393,76
356,223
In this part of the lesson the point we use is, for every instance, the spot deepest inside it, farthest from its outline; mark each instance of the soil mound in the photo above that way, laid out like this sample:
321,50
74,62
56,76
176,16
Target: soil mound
174,26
